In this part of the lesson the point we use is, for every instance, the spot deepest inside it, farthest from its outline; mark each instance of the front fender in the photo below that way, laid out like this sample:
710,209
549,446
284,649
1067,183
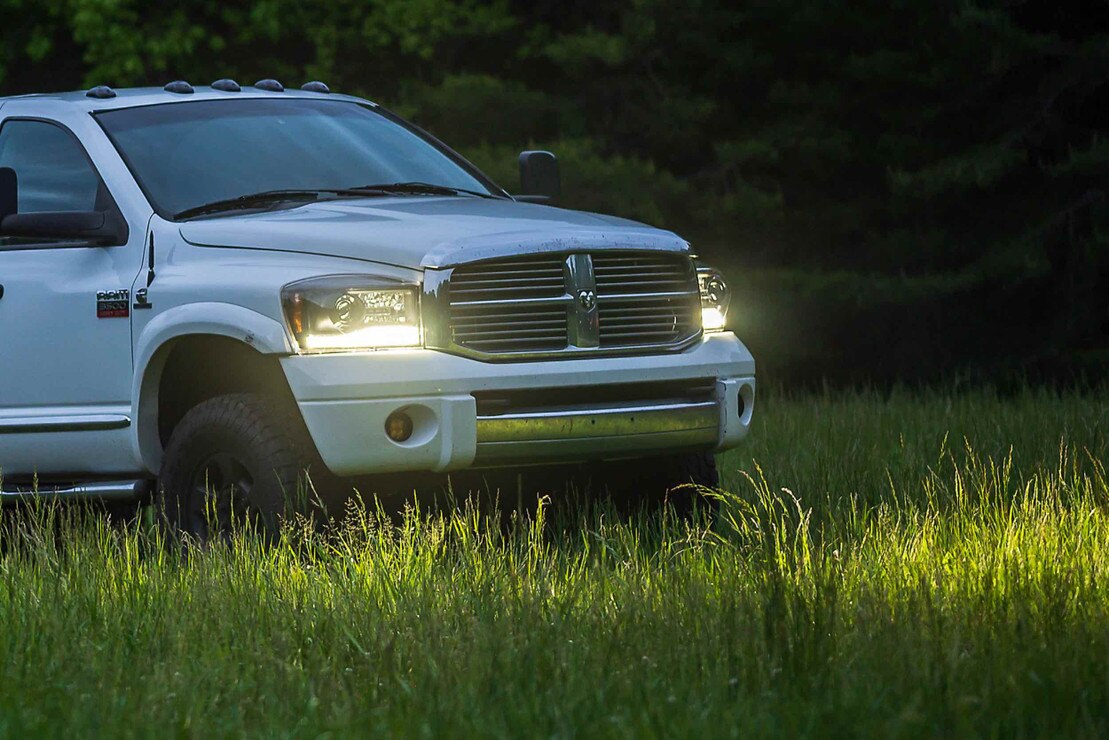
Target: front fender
152,347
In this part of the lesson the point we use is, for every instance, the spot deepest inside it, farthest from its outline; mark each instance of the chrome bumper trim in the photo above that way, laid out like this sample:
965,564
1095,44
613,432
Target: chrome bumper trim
597,433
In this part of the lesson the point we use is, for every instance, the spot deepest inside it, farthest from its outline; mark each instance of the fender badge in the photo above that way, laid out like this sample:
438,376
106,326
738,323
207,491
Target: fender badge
113,304
142,299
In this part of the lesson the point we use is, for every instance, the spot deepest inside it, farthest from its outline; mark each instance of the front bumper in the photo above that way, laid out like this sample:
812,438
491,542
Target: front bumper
345,399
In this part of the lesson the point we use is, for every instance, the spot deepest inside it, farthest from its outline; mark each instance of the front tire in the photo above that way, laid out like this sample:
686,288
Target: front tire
235,460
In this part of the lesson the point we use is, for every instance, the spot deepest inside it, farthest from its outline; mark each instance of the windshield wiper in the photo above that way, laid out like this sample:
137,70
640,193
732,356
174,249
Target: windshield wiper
419,188
251,200
268,197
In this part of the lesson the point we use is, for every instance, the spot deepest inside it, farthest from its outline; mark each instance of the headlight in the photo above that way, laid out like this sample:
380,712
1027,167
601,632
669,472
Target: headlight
349,312
714,299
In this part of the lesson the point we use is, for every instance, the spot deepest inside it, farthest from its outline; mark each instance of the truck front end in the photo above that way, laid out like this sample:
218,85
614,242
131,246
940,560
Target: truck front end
551,355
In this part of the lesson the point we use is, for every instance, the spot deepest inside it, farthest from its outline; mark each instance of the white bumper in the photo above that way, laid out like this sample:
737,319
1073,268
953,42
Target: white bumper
345,399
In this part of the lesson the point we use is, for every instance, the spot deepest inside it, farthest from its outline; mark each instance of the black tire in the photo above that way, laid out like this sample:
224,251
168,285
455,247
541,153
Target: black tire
235,459
679,481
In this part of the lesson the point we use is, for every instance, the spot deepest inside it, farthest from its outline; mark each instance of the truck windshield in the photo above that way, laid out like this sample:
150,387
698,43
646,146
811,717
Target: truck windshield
185,155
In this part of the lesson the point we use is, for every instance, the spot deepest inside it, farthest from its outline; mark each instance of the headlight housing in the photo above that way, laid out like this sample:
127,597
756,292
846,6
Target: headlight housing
346,313
715,298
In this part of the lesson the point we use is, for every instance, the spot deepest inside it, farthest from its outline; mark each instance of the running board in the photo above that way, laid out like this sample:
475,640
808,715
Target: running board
115,490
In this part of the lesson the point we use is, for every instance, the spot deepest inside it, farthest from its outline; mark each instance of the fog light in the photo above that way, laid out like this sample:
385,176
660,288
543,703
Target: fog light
398,426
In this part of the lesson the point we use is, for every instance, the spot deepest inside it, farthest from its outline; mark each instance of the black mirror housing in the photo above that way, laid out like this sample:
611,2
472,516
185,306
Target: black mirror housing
97,226
106,227
540,181
9,192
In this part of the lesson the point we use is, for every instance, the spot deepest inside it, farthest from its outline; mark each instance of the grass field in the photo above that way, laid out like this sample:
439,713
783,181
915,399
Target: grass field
905,565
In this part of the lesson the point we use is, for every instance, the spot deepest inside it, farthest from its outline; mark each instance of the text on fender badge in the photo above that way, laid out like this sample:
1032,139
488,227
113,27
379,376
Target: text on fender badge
113,304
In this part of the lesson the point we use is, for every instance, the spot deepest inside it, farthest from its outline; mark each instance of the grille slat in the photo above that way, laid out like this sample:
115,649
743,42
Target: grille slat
639,273
526,304
616,268
538,281
516,343
639,279
633,310
509,290
644,286
482,321
478,305
509,269
551,330
640,337
649,296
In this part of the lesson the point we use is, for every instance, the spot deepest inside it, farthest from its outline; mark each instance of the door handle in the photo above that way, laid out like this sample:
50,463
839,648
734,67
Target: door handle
1,290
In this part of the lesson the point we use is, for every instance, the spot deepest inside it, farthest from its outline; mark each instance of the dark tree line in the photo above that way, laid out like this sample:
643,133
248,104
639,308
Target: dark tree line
921,182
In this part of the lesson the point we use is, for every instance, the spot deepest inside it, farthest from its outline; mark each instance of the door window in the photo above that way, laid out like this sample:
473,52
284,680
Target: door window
51,168
52,171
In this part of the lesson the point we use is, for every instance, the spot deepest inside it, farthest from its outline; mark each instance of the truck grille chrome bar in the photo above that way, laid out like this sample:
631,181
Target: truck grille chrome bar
530,307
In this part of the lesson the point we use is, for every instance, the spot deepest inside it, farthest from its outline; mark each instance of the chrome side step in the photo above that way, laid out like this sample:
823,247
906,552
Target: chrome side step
115,490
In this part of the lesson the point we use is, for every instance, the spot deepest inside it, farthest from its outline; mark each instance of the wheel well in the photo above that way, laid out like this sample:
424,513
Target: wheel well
205,366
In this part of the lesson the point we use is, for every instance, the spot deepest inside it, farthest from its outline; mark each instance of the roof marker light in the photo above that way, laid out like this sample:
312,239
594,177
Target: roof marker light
315,86
101,91
270,85
226,85
179,86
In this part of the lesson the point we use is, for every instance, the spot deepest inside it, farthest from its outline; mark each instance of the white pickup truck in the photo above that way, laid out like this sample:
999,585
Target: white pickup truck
229,290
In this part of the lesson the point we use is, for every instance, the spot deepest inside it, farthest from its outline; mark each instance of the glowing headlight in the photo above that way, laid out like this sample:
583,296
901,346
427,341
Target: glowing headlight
348,312
714,299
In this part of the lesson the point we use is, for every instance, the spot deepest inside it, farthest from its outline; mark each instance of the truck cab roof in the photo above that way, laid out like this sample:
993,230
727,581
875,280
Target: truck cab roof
130,97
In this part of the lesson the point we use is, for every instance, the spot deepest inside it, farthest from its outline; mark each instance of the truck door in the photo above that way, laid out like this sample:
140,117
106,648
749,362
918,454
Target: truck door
65,334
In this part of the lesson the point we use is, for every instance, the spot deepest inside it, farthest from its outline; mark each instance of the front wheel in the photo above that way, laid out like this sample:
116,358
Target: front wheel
238,460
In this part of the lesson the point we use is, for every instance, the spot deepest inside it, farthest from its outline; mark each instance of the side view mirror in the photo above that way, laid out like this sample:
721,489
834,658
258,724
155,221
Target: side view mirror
540,181
102,226
91,225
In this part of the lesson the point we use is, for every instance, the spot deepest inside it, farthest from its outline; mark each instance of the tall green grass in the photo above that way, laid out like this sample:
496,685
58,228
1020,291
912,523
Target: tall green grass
890,565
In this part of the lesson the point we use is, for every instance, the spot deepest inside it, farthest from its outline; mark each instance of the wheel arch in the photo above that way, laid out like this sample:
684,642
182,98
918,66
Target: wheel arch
249,342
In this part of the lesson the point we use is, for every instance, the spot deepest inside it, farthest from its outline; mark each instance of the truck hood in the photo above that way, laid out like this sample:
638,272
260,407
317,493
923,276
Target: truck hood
420,232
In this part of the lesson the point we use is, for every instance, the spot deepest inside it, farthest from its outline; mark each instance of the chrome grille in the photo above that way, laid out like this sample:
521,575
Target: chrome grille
509,279
569,303
508,329
645,299
506,306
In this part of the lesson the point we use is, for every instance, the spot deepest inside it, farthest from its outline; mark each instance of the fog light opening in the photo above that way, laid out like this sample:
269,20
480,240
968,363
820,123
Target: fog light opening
398,427
746,403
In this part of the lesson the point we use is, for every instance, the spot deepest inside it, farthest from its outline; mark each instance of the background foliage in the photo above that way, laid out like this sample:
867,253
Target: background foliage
899,190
